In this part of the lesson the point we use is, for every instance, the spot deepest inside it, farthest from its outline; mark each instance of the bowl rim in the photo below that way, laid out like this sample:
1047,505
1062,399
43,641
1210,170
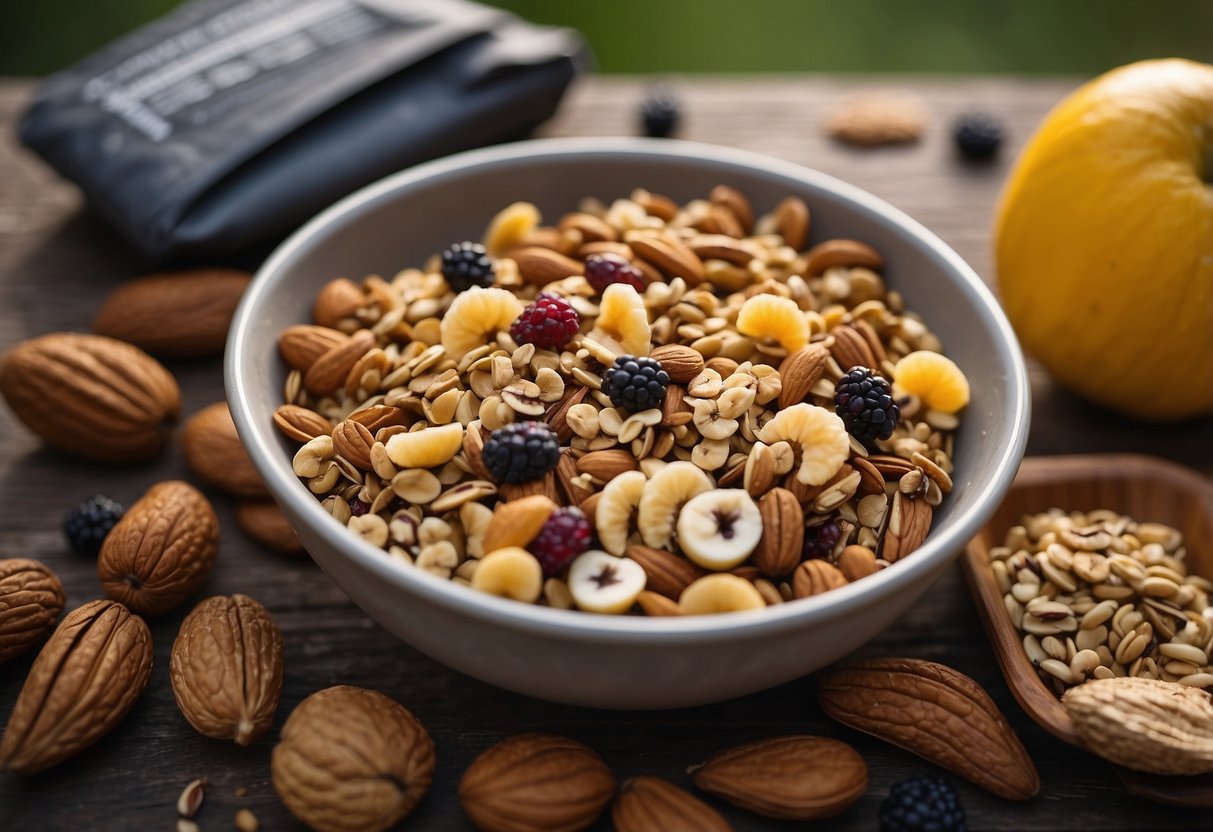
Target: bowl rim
286,488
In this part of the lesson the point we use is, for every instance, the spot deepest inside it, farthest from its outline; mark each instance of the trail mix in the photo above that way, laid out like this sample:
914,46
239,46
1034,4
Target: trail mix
1100,595
645,407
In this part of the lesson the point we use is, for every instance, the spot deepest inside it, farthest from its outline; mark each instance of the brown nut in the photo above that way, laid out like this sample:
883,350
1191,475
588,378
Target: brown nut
85,680
328,372
535,783
214,452
814,577
780,547
352,760
857,562
540,266
604,466
161,550
799,372
650,804
517,522
31,598
300,424
668,574
90,395
909,522
841,252
302,344
265,523
339,299
352,441
793,778
681,363
226,669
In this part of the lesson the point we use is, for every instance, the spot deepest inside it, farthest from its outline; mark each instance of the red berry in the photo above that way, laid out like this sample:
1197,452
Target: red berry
548,323
601,270
564,536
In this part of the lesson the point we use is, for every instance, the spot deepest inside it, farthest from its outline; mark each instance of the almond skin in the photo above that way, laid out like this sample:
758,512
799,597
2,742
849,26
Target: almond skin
650,804
92,396
681,363
517,522
226,669
162,549
779,548
265,523
536,783
301,424
302,344
31,598
352,760
214,452
175,315
85,680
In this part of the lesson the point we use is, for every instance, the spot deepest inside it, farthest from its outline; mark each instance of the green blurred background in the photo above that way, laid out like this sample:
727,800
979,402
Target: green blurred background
1019,36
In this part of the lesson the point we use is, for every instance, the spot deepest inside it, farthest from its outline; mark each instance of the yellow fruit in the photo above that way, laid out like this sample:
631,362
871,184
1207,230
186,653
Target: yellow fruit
510,227
510,573
475,317
426,448
623,322
1104,240
772,318
933,378
720,592
820,434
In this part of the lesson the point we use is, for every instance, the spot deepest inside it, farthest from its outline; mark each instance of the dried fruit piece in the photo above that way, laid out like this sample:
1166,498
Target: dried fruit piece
935,712
536,783
511,573
510,227
720,592
85,680
352,760
719,529
772,318
663,498
31,598
613,515
214,452
604,583
426,448
650,804
226,668
161,550
475,317
793,778
821,436
934,378
622,325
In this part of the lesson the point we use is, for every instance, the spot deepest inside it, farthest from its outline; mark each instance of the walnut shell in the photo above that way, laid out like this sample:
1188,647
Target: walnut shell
31,598
213,451
90,395
352,760
161,550
226,669
82,684
536,783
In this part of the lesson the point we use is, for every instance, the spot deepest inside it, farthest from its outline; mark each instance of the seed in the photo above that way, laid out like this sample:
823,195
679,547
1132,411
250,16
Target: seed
1157,587
1098,614
1184,652
246,821
1091,638
1058,669
1083,663
190,800
1198,680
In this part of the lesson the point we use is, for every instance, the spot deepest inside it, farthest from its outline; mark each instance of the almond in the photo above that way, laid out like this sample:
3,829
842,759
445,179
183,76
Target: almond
265,523
857,562
672,257
536,783
590,227
338,300
90,395
557,413
226,669
352,441
604,466
379,416
850,349
681,363
909,523
176,315
473,451
566,472
650,804
328,372
540,266
721,220
792,221
736,202
935,712
813,577
871,481
302,344
85,680
674,409
668,574
517,522
721,247
840,252
161,550
799,372
214,452
656,205
792,778
301,424
31,598
654,605
779,548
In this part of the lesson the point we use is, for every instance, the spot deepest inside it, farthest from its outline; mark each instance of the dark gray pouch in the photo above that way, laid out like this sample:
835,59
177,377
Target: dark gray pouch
217,130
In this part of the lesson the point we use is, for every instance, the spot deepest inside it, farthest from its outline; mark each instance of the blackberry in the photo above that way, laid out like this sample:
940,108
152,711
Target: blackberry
601,270
635,383
87,524
548,323
660,112
819,541
977,136
864,400
564,536
521,451
922,804
465,265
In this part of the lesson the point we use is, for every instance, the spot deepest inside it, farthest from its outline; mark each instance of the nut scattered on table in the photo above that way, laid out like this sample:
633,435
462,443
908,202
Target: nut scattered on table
875,118
215,454
651,804
31,598
265,523
85,680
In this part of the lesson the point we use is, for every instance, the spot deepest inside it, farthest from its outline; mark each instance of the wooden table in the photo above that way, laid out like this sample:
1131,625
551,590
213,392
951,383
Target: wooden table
57,262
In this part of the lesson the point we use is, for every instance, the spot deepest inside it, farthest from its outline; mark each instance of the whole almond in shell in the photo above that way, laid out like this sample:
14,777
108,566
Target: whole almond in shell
302,344
793,778
339,299
909,523
650,804
102,399
799,372
161,550
174,315
935,712
780,547
328,372
540,266
301,424
604,466
31,598
352,441
681,363
536,783
85,680
352,760
214,452
1144,724
226,669
265,523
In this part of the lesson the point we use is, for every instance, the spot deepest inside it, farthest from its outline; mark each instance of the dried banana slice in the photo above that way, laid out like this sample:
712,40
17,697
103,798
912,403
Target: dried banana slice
510,227
510,573
426,448
600,582
475,317
719,529
772,318
613,515
623,323
664,496
934,378
821,435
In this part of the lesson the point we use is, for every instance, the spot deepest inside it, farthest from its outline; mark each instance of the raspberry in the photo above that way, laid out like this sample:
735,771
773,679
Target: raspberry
87,524
922,804
548,323
661,112
819,541
864,400
601,270
358,507
521,451
977,136
564,536
465,265
635,384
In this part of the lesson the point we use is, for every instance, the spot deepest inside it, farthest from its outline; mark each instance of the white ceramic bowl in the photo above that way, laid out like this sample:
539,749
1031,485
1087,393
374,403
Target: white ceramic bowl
622,661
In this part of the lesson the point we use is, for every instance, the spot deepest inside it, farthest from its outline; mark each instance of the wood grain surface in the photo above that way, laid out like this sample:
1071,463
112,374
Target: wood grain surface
57,262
